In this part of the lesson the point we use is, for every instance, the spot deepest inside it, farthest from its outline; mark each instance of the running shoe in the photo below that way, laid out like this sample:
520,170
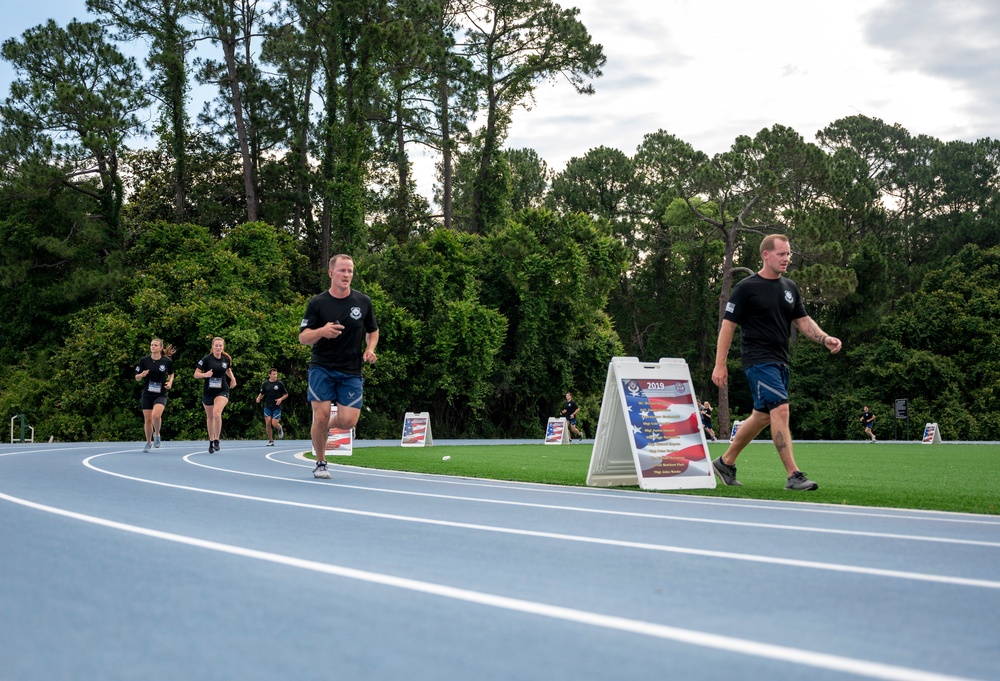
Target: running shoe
211,446
799,481
726,473
270,443
156,441
320,471
217,447
148,448
281,431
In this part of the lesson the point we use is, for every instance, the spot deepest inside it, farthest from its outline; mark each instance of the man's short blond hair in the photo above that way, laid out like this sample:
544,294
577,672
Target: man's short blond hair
339,256
768,243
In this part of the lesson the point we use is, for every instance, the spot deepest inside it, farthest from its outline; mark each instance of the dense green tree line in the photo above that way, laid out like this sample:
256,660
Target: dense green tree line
522,286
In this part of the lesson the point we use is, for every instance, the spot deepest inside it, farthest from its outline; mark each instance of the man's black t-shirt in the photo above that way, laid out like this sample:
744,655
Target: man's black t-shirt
765,310
355,313
272,392
569,408
218,382
867,417
159,371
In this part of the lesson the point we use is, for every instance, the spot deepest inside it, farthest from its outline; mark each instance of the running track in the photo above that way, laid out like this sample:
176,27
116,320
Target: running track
239,565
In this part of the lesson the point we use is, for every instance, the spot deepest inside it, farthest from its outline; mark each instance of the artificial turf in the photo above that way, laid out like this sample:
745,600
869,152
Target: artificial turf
943,477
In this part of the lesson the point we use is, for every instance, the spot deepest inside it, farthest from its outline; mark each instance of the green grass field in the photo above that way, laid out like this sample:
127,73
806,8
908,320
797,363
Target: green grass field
943,477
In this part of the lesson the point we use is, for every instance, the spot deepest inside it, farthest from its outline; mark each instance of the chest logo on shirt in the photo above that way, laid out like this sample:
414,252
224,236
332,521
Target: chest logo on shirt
355,313
163,367
788,297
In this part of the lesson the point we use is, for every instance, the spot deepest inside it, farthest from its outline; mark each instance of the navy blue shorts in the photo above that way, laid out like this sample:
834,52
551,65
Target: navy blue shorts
327,385
274,413
768,385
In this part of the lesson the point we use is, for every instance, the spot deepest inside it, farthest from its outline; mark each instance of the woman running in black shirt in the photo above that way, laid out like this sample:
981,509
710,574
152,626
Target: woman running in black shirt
157,369
216,368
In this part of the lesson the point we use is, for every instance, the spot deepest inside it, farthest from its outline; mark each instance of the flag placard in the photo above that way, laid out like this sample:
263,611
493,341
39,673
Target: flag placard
932,434
649,432
557,431
736,426
417,430
339,442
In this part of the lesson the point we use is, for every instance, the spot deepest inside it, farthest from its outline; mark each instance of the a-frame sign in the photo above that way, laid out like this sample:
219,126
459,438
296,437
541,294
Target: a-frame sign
649,432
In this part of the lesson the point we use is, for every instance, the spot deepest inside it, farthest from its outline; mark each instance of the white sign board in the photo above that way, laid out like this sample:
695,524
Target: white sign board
417,430
557,431
932,434
736,426
649,432
339,442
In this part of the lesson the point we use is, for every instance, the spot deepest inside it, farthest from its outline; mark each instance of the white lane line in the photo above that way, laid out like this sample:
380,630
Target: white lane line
875,670
618,543
628,514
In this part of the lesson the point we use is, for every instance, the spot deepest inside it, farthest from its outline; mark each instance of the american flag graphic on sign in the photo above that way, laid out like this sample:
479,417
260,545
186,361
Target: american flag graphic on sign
664,423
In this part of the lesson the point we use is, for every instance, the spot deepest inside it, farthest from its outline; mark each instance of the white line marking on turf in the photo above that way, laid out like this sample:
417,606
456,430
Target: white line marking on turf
875,670
758,504
643,546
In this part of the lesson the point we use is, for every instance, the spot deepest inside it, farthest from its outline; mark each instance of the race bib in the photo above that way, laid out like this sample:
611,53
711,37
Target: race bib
154,387
214,383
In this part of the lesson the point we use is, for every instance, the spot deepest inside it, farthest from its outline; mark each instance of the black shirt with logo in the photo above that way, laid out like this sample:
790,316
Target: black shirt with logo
272,392
159,371
569,408
355,313
218,382
764,309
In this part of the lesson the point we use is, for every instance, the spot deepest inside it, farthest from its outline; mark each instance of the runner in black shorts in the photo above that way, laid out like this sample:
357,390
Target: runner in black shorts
157,370
216,368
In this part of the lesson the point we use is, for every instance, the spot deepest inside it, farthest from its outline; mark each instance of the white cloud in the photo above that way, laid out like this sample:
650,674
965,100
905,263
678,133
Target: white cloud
710,70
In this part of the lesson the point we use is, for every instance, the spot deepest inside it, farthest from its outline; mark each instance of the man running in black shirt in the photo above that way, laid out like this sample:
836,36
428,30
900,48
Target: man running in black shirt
569,411
334,325
868,420
273,392
765,305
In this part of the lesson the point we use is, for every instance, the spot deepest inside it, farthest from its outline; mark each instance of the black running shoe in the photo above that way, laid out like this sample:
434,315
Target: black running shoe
726,473
799,481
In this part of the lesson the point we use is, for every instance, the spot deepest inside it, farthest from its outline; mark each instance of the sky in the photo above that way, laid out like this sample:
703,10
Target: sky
708,71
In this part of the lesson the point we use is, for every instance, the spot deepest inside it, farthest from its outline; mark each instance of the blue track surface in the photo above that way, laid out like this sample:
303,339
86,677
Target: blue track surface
239,565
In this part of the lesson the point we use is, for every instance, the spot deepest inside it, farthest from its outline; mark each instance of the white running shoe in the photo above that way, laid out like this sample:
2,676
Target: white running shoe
320,471
147,449
156,441
281,431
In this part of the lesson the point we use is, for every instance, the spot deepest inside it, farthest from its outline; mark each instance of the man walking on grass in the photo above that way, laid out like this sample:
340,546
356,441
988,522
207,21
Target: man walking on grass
764,306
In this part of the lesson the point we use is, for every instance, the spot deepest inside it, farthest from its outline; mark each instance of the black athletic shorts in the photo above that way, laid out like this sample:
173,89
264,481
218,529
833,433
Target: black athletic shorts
208,397
149,399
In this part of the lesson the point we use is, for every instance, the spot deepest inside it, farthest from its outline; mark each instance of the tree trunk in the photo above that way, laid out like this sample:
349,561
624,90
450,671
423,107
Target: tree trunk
727,289
249,179
445,150
176,86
